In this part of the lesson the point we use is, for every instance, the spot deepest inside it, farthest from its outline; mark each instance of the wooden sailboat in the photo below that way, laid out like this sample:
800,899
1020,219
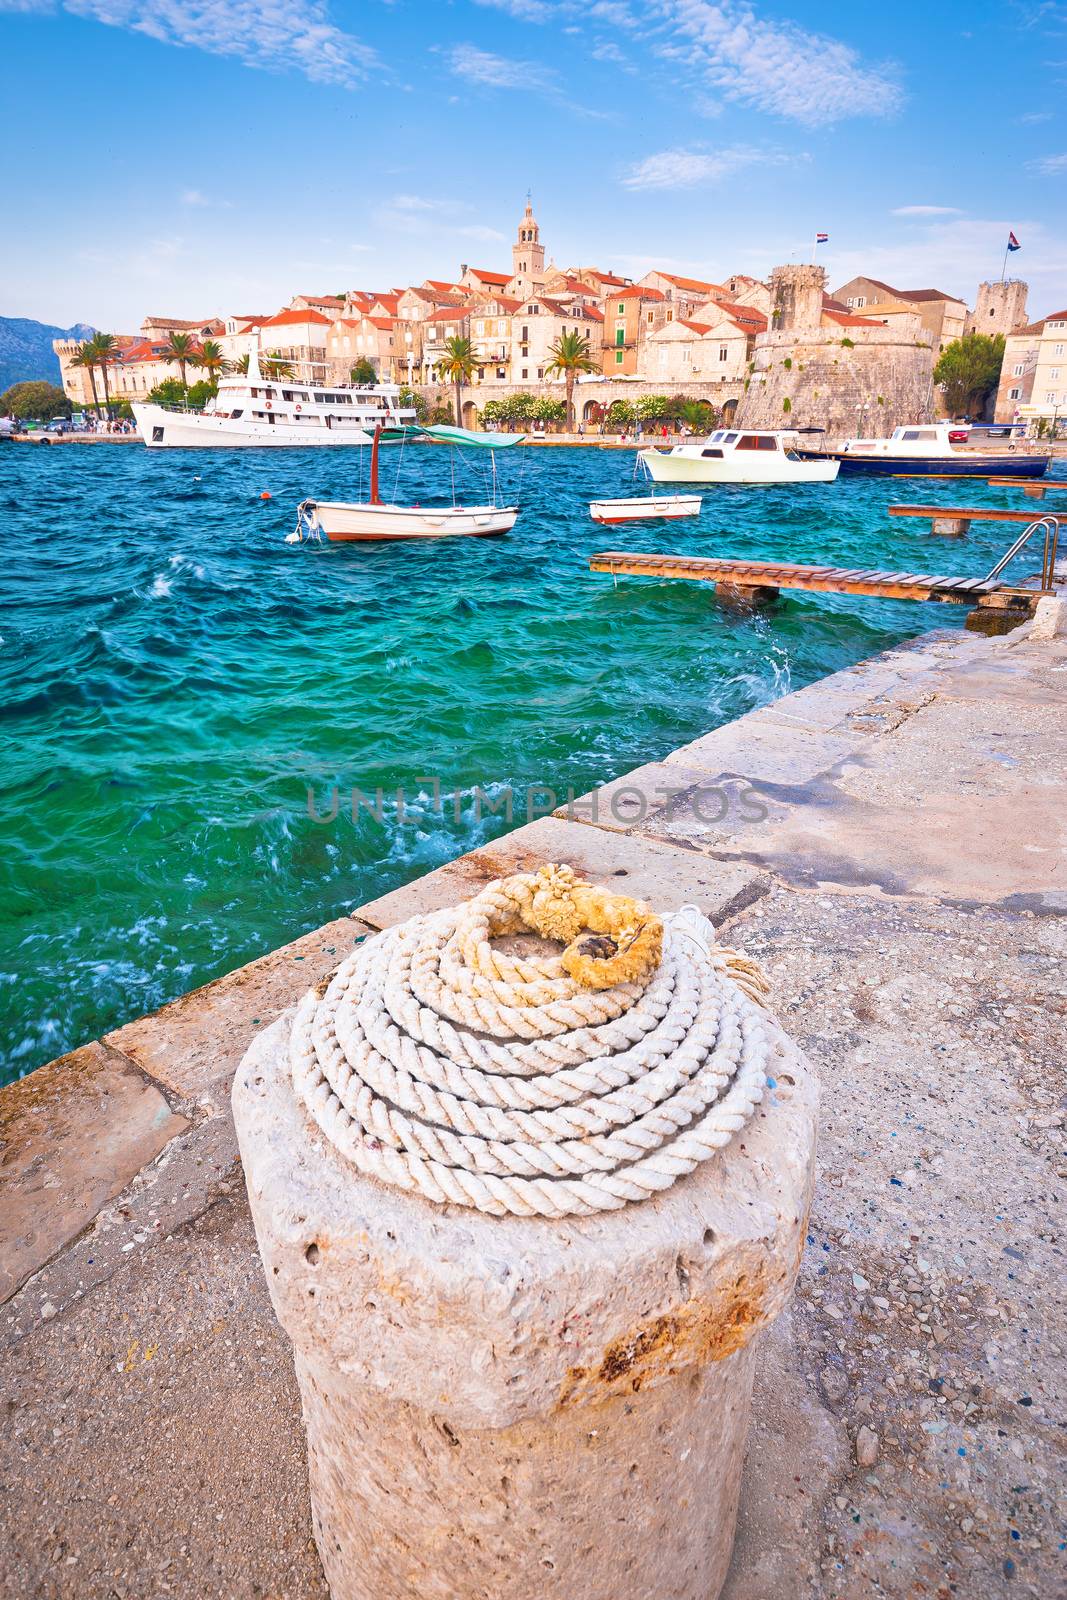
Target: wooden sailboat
375,519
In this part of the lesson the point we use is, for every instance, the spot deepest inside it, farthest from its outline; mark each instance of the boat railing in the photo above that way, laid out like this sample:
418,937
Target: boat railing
1049,528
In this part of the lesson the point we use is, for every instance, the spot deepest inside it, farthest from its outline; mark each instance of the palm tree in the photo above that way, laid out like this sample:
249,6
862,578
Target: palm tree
571,354
457,366
699,416
274,366
212,359
182,348
104,353
87,361
241,366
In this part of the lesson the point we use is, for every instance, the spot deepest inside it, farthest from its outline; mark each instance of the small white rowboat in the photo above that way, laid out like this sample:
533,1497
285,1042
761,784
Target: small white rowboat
645,508
373,523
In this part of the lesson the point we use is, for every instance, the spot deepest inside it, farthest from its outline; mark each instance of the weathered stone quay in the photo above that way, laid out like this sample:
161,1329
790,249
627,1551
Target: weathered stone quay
888,844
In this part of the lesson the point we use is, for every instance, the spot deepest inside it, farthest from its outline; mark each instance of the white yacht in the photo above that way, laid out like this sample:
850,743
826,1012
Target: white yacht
250,409
737,455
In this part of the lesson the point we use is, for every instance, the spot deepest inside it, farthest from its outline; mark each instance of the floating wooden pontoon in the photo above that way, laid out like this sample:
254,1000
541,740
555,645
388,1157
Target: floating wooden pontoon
956,520
1037,490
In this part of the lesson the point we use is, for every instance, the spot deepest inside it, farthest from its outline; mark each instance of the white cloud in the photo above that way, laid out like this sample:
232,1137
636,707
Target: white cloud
685,169
780,66
1049,166
274,35
477,230
926,211
196,198
524,10
1035,116
497,72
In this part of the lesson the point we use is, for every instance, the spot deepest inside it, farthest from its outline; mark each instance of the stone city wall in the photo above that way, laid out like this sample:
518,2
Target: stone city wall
850,381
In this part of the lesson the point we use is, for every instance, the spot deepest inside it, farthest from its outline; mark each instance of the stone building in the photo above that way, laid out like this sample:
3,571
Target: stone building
1000,308
629,313
527,259
298,337
1048,396
942,315
820,365
1017,373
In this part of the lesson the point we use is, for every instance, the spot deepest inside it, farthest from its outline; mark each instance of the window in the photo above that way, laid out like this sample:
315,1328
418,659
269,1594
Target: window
723,352
1013,394
670,316
1050,397
618,358
757,441
525,333
717,454
650,318
1054,372
729,438
620,336
861,300
1017,370
1057,349
526,372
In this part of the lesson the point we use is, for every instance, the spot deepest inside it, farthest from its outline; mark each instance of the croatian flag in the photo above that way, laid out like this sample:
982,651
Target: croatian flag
1013,243
822,238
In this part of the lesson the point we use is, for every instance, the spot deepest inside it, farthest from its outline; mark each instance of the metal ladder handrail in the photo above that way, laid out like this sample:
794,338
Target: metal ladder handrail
1050,526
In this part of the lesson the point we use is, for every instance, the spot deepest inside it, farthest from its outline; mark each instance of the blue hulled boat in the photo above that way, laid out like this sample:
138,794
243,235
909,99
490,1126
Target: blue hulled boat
931,450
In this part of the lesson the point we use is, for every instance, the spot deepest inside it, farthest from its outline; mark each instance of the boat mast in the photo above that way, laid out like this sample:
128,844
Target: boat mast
375,498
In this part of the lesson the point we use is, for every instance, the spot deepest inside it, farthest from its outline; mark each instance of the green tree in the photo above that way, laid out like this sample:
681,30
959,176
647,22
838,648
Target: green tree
86,360
412,400
457,366
212,360
183,349
105,352
968,372
653,407
546,409
197,395
698,415
621,415
364,372
572,354
168,392
34,398
241,366
493,411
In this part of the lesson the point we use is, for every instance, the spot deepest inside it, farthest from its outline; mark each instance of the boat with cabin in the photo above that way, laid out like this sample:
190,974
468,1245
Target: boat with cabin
931,449
375,520
737,455
258,410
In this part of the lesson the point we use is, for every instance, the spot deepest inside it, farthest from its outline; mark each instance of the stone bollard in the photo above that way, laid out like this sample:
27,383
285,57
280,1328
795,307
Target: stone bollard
524,1407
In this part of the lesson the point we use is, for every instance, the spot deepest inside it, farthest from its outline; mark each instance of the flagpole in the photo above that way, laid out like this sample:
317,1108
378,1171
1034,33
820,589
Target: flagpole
1004,263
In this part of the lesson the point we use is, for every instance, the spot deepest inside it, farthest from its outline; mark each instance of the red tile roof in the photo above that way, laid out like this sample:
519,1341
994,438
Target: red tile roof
635,292
745,316
845,319
697,327
294,318
448,314
489,277
909,294
322,299
592,311
691,283
389,301
1056,316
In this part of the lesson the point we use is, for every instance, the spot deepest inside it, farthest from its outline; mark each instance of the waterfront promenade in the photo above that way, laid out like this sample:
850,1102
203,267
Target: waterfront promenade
886,843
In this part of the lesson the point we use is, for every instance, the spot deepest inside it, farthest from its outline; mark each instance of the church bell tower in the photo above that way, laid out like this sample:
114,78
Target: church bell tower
527,256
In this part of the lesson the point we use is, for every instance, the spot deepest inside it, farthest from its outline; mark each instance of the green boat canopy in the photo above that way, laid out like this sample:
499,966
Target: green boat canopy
451,435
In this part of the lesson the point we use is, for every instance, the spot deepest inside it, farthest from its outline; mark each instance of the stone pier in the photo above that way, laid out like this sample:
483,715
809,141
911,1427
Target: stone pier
887,843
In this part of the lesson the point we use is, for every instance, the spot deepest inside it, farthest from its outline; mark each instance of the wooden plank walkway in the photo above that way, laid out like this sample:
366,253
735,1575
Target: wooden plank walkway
774,575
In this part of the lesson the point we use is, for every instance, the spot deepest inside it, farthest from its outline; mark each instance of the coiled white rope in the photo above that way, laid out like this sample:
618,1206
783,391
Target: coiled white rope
546,1086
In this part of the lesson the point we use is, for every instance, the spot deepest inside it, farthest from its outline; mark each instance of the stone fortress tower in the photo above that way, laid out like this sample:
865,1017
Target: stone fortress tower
820,365
797,297
1000,308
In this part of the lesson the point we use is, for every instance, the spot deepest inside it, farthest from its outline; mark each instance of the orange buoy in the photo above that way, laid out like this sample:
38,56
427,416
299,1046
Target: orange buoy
265,495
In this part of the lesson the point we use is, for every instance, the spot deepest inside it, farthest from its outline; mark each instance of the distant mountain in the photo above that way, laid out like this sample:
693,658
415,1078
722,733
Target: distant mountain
26,349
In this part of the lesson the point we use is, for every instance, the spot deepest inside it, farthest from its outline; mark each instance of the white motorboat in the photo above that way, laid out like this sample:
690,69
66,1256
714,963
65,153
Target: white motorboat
376,520
645,508
252,410
737,455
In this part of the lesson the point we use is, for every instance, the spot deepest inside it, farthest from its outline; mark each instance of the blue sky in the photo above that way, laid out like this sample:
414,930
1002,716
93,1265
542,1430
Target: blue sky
196,157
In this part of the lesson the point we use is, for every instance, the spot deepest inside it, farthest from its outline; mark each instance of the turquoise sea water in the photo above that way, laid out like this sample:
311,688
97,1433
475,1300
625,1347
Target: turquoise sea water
175,679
